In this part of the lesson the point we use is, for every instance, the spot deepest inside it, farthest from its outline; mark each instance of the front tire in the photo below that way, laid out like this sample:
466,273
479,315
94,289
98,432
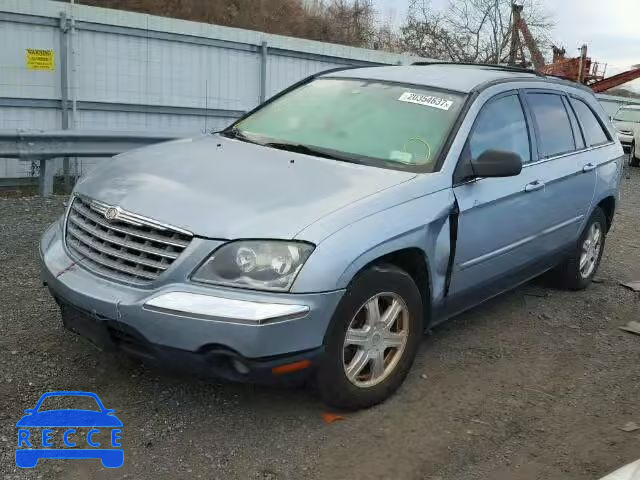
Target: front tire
580,267
372,340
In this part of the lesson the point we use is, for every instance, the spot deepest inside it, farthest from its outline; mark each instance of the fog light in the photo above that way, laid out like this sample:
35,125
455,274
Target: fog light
240,367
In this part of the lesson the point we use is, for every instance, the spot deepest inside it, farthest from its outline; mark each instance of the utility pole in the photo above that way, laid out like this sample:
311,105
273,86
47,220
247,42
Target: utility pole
581,63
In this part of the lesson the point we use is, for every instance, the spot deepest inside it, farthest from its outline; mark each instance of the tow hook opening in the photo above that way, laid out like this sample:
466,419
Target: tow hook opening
240,367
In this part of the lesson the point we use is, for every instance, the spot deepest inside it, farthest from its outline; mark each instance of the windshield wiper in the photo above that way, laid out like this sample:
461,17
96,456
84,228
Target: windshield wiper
294,147
238,134
311,150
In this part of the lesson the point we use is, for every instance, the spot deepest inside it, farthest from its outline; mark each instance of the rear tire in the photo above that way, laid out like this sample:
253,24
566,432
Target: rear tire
365,371
633,160
580,267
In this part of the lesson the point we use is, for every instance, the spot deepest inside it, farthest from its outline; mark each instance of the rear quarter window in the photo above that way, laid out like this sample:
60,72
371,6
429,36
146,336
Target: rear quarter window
594,132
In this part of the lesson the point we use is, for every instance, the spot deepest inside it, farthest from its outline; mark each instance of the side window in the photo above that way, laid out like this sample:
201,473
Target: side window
594,133
501,126
577,131
554,127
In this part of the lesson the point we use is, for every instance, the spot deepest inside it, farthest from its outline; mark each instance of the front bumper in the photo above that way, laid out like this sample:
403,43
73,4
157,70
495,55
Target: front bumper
169,334
625,140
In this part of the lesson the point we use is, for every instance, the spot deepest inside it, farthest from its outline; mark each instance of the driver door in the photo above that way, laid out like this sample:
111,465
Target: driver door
499,218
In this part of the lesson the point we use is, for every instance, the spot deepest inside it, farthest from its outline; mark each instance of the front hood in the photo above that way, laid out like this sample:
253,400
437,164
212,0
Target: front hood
227,189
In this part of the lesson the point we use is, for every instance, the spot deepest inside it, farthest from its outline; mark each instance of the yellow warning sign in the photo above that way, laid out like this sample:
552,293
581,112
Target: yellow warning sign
40,59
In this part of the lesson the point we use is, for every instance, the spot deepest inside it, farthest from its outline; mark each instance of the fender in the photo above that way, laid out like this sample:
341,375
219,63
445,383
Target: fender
422,223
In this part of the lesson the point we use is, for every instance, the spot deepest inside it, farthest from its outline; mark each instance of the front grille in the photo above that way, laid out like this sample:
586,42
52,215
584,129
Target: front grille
128,248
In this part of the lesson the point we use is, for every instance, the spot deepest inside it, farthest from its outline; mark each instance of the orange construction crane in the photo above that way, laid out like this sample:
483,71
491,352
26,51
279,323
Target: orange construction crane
518,24
615,80
579,69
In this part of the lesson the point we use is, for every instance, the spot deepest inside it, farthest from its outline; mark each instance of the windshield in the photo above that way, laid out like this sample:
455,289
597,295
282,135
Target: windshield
628,115
363,121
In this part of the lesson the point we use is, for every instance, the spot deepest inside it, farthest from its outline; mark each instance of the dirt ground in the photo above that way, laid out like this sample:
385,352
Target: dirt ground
532,385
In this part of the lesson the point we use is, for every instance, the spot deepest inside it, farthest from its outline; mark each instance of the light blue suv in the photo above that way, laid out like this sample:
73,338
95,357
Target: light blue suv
323,232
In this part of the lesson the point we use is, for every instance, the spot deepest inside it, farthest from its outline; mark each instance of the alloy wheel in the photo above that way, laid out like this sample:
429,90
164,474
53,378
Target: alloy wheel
375,340
591,250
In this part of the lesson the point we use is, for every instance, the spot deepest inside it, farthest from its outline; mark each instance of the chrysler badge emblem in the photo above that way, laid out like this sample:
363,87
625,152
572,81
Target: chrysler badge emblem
111,213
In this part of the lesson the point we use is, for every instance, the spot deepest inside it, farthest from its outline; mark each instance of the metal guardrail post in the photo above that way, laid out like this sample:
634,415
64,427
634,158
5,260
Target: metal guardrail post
264,54
64,92
45,182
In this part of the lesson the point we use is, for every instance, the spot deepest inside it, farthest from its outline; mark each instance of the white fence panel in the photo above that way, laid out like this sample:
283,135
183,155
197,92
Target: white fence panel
15,79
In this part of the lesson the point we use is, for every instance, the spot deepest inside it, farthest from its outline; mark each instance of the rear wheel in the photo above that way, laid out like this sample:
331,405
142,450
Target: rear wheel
579,269
373,339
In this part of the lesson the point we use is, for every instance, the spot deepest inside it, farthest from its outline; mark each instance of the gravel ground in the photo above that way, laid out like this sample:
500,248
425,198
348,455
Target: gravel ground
532,385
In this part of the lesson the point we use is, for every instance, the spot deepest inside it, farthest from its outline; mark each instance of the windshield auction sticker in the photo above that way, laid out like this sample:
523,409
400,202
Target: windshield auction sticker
426,100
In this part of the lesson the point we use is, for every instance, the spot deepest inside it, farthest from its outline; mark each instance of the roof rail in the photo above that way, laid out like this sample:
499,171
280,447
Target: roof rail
506,68
565,81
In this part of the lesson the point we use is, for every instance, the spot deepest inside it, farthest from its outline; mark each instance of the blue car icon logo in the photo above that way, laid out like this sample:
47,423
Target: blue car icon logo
36,433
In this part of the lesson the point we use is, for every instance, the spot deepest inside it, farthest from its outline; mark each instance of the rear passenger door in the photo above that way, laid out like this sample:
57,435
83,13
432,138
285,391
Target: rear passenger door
564,169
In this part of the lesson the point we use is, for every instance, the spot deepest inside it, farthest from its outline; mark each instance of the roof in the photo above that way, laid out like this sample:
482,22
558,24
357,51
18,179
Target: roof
459,77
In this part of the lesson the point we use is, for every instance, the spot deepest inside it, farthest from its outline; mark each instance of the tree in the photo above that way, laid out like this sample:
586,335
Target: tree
349,22
476,31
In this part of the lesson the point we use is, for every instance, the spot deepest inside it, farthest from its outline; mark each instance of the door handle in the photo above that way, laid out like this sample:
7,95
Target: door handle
588,167
533,186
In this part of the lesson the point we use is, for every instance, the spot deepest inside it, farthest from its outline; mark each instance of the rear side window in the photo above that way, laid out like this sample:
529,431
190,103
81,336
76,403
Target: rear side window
594,133
577,132
501,126
554,127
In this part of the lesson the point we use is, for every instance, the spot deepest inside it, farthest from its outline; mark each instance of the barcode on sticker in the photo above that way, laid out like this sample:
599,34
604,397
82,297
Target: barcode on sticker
428,100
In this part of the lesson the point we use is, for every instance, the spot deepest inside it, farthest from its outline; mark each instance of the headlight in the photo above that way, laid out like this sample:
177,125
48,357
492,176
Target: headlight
257,264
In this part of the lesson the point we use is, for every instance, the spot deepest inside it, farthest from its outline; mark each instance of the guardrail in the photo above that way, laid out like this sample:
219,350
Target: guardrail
42,146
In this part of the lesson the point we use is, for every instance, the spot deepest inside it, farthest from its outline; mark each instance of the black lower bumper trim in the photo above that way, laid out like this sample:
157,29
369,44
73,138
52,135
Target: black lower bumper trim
212,361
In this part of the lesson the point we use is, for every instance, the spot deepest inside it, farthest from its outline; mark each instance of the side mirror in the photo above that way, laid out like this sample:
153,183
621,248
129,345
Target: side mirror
30,410
497,163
